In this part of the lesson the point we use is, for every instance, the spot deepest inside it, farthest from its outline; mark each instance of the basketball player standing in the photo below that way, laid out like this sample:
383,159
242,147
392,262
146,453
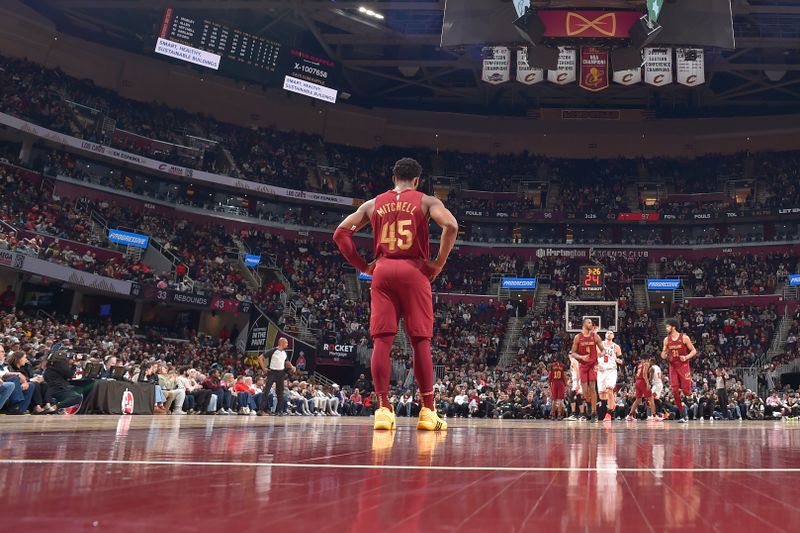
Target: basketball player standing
558,383
584,348
643,392
679,350
401,280
607,373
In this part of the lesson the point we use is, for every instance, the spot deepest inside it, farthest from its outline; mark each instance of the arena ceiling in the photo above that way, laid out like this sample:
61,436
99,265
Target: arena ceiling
397,62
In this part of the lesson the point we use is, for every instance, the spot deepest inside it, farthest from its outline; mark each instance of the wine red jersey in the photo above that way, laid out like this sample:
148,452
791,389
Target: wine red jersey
675,349
556,373
587,345
641,371
400,226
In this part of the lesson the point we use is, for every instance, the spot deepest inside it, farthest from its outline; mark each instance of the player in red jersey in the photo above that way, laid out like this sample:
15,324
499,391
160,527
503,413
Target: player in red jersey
585,346
679,349
558,385
401,280
643,390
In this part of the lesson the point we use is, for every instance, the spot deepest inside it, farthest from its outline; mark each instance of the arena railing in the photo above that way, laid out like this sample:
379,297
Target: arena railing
507,245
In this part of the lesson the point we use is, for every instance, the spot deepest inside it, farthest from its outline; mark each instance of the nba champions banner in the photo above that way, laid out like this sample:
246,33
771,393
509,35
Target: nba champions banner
525,73
594,68
566,71
497,69
690,66
658,66
264,334
628,77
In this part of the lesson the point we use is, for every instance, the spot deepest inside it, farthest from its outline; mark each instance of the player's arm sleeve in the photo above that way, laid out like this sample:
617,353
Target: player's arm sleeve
343,237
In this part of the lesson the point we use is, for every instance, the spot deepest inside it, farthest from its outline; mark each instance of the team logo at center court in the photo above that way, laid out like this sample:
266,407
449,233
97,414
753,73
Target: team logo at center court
605,24
127,402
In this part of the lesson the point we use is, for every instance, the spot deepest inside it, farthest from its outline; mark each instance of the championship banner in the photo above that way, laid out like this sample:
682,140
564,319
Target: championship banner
497,70
526,74
628,77
691,66
658,66
594,68
566,71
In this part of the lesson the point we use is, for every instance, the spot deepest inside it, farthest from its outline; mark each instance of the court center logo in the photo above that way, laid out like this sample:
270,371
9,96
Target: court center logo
127,402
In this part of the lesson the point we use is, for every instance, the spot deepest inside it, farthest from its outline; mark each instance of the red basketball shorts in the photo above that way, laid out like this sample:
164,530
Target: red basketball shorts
400,290
557,388
588,372
642,390
680,377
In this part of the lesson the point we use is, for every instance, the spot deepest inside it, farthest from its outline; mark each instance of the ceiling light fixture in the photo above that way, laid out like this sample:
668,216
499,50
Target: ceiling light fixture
370,13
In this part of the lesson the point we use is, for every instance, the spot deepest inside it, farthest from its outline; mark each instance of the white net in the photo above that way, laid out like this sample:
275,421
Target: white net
605,315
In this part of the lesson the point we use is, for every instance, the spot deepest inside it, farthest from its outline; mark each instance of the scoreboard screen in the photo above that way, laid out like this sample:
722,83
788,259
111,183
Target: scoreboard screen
591,281
243,55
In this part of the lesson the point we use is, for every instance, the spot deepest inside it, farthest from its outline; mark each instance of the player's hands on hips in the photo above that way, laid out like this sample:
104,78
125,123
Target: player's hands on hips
431,269
370,268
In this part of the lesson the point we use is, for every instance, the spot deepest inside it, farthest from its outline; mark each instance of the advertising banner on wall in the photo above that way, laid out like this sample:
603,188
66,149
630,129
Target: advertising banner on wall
264,334
126,238
332,354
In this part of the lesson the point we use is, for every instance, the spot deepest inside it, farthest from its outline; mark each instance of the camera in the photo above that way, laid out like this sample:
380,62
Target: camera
67,356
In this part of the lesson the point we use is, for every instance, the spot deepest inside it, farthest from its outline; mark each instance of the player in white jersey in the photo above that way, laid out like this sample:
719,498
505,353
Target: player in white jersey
575,391
657,387
607,373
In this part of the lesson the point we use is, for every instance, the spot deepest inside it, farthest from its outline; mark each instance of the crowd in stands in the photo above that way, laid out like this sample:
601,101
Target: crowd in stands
78,107
732,274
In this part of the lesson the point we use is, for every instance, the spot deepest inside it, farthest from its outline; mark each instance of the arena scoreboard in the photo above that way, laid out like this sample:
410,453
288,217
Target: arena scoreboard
243,55
591,282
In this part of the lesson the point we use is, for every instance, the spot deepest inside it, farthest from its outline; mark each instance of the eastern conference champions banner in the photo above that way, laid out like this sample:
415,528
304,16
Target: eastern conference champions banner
565,73
526,74
497,69
658,66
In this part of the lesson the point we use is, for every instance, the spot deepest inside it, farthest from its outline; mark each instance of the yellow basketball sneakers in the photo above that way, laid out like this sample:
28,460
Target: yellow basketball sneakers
384,419
430,421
